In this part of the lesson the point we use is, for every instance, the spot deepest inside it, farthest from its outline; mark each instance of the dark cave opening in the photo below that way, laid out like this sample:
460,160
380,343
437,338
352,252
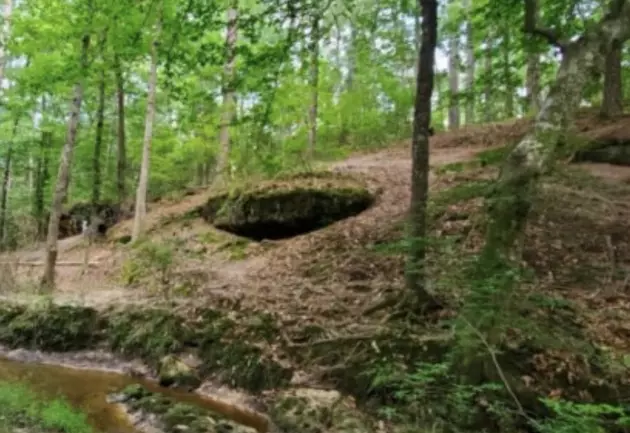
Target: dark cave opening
285,214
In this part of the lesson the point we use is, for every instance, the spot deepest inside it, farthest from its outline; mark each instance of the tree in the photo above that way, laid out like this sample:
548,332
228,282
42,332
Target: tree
63,176
612,104
415,273
143,181
511,200
227,113
121,150
100,124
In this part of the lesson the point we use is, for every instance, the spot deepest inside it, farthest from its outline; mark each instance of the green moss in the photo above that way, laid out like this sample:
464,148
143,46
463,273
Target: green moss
149,334
49,327
278,209
242,365
173,415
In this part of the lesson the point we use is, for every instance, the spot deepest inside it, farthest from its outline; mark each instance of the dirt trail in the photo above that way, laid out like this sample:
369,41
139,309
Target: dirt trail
317,274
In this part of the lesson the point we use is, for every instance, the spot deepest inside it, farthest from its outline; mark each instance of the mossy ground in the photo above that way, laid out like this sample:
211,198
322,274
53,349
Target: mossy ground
229,353
174,417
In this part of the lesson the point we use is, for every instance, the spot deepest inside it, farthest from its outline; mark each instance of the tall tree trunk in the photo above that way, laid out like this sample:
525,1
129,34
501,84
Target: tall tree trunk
533,66
533,82
415,269
63,176
4,193
470,64
6,30
612,104
41,181
143,181
229,100
314,84
453,79
488,73
98,142
507,76
121,155
510,203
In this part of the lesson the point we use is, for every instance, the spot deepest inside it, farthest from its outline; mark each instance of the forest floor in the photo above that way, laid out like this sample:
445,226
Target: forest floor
578,242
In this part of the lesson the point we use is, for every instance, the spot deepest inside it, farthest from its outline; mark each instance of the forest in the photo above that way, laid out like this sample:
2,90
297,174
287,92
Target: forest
300,216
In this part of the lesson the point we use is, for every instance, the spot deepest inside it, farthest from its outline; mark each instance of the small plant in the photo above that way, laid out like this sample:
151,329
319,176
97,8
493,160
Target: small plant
583,417
20,407
151,262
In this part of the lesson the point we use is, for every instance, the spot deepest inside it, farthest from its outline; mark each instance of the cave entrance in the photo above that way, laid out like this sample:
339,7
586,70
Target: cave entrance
276,213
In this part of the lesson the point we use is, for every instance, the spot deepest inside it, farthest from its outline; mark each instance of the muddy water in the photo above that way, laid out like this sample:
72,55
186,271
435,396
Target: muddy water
87,391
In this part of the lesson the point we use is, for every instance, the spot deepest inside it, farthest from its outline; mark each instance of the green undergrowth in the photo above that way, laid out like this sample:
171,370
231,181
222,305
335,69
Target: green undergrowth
21,408
231,349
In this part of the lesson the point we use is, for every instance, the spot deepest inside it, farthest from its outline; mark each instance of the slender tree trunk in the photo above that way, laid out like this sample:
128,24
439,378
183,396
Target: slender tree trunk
314,84
533,66
143,181
488,72
229,100
6,30
4,193
121,155
98,142
507,76
511,201
63,176
41,181
416,269
612,104
470,64
533,82
453,78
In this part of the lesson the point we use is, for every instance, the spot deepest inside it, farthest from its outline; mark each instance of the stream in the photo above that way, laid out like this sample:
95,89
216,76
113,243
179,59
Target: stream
87,391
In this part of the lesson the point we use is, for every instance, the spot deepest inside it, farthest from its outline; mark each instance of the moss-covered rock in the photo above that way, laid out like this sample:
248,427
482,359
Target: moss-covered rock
149,334
49,327
288,207
315,411
170,416
173,371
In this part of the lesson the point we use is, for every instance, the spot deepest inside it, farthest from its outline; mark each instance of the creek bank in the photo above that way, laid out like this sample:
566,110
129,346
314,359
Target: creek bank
230,350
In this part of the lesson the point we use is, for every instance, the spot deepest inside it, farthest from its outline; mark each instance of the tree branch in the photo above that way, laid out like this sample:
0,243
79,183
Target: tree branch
531,26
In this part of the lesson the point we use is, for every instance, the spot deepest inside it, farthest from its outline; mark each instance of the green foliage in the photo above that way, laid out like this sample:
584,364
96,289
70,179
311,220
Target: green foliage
49,327
150,263
572,417
150,334
432,394
21,408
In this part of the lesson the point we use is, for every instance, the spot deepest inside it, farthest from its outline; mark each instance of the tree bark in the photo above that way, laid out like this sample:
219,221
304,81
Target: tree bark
612,104
98,142
416,269
488,73
470,64
63,176
121,155
6,177
41,180
6,30
314,85
229,100
511,200
143,181
507,76
453,78
533,65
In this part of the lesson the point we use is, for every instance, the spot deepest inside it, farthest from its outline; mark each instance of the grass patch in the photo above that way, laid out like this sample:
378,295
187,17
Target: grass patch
21,408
